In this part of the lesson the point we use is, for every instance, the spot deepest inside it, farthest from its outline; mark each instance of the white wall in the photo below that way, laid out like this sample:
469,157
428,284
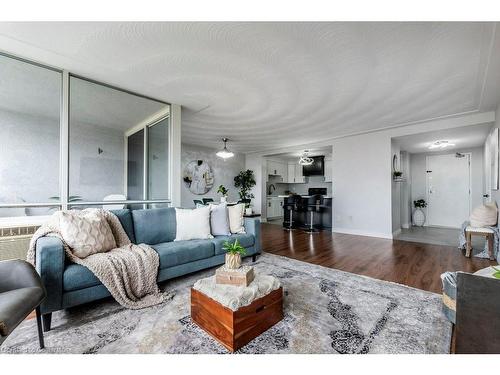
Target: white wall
362,185
224,172
419,175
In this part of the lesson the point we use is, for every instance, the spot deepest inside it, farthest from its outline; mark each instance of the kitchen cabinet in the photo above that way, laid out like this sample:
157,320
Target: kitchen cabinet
274,207
295,173
328,170
275,168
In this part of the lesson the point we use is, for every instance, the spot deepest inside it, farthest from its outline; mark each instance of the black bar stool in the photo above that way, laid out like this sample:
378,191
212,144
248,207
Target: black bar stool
312,205
290,204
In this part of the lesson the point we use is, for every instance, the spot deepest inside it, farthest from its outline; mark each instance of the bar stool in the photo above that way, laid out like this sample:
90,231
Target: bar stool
312,205
290,205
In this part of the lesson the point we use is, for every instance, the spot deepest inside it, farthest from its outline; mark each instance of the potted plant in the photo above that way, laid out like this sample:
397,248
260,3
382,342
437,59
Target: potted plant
418,214
234,251
398,176
245,181
223,191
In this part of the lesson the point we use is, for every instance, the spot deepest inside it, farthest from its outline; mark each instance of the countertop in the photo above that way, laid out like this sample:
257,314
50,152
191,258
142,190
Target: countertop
303,196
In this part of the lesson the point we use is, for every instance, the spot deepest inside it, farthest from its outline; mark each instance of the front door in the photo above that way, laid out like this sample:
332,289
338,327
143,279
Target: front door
448,189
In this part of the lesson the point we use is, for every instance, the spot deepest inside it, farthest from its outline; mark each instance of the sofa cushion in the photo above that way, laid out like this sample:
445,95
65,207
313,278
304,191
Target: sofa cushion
245,240
125,217
192,224
78,277
180,252
154,226
86,232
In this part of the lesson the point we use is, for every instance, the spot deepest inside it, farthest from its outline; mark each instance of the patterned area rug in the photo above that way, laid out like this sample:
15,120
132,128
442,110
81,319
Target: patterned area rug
326,311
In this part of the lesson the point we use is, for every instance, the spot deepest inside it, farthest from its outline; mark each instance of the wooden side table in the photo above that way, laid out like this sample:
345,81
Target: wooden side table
485,232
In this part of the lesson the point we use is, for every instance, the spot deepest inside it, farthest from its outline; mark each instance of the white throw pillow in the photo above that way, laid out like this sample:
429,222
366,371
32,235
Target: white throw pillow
485,215
236,220
192,224
86,232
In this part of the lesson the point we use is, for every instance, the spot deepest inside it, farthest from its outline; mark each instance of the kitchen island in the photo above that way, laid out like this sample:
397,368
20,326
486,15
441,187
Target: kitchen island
301,218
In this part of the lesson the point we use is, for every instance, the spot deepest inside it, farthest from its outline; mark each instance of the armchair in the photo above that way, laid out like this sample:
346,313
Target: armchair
21,292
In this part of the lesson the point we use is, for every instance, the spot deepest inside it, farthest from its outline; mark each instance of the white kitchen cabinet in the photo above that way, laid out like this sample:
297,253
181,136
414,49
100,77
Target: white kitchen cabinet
274,207
328,170
291,173
275,168
295,175
299,176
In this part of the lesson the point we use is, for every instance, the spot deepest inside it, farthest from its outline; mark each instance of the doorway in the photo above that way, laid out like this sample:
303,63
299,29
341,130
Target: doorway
448,189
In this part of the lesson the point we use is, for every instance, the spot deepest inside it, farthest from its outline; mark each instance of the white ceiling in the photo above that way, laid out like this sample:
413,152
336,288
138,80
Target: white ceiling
269,85
463,138
320,151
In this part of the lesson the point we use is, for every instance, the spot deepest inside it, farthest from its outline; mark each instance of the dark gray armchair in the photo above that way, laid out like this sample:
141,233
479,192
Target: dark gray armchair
21,292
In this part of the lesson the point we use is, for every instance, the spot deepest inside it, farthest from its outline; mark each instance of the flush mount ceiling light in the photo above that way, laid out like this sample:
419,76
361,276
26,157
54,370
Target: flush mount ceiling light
440,145
305,159
225,153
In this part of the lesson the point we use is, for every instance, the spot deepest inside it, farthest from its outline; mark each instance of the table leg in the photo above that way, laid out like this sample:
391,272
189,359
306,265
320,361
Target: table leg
490,240
468,246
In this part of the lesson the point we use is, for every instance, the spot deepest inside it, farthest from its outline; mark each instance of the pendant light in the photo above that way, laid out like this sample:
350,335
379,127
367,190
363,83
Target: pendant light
225,153
305,159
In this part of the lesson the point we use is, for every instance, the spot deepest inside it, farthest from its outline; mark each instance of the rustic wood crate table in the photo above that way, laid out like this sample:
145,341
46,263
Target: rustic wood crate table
230,316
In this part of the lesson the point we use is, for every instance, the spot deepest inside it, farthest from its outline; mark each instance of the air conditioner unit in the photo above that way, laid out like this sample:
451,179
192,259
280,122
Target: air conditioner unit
14,241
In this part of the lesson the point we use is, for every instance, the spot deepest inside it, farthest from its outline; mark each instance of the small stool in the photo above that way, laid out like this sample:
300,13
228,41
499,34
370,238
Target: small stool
485,232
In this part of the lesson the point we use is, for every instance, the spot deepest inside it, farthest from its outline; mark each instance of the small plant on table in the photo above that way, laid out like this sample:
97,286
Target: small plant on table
234,251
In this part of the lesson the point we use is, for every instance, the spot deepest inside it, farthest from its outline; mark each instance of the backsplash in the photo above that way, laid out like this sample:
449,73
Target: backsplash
301,189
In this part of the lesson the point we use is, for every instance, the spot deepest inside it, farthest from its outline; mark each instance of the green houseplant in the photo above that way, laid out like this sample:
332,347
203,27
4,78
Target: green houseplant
222,191
245,181
234,251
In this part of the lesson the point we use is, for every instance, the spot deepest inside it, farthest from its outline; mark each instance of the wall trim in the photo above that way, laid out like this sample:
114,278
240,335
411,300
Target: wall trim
358,232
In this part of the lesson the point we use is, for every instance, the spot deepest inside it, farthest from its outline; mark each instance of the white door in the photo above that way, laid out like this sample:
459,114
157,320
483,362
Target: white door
448,190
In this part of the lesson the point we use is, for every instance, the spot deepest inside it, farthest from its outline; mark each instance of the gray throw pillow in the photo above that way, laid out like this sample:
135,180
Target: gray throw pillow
219,220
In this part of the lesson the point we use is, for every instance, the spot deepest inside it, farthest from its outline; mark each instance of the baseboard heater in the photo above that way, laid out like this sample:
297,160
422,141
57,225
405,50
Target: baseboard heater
14,241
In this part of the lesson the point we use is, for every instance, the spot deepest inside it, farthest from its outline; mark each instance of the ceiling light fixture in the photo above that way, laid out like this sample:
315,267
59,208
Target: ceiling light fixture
305,159
225,153
440,145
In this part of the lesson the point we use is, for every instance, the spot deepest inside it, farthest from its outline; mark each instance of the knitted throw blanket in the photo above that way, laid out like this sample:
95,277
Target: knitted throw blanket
128,272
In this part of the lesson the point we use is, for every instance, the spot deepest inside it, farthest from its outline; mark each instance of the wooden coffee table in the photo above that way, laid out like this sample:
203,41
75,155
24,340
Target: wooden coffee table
234,329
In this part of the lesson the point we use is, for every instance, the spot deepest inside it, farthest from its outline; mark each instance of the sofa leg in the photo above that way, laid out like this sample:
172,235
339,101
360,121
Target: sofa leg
39,326
47,320
254,257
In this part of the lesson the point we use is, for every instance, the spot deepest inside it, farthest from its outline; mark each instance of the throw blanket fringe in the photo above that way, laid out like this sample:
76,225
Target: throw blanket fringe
129,271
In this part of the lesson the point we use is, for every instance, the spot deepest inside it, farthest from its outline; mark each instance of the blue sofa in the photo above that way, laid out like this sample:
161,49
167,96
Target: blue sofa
69,284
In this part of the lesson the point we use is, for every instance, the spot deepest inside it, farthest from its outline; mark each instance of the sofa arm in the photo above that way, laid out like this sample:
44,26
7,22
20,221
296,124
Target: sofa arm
50,266
252,226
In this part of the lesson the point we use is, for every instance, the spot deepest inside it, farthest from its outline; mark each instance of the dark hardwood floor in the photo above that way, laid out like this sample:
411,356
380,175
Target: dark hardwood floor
414,264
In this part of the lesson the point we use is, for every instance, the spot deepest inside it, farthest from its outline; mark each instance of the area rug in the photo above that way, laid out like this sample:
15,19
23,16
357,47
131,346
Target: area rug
326,311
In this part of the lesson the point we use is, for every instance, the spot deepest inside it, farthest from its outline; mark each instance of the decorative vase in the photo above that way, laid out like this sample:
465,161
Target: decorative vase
248,211
223,199
418,217
233,261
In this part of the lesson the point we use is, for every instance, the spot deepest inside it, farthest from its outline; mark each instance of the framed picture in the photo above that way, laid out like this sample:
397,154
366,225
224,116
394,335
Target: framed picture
494,159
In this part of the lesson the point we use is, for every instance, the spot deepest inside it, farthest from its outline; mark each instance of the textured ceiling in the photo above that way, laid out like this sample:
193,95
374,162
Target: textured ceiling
269,85
464,137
